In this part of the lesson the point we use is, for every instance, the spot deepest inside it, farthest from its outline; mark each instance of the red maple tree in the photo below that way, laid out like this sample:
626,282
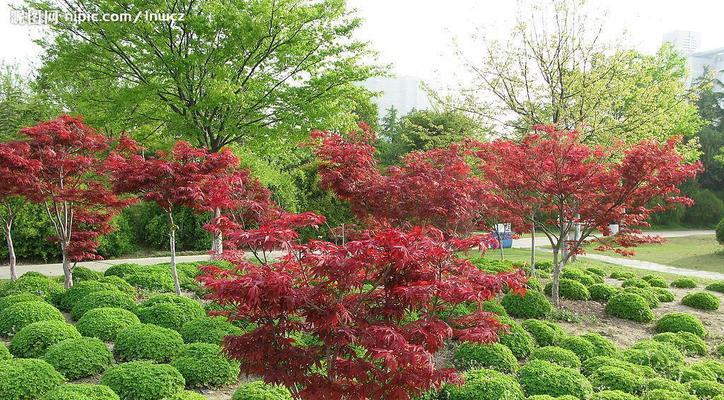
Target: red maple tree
570,190
359,320
171,179
72,186
17,171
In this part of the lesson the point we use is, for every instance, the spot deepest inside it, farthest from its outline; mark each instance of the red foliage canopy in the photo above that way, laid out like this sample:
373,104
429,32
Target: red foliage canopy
356,321
17,169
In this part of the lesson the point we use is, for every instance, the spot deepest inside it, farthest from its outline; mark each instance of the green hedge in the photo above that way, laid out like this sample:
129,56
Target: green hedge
204,365
686,342
655,281
143,380
19,315
36,284
614,378
79,290
602,292
651,298
34,339
104,298
664,295
539,377
716,286
79,358
104,323
701,301
629,306
591,365
705,389
186,395
4,352
259,390
684,283
493,356
635,282
662,357
569,289
81,391
583,348
531,305
602,346
680,322
556,355
481,384
613,395
8,301
663,394
545,333
27,379
208,330
517,339
147,342
169,311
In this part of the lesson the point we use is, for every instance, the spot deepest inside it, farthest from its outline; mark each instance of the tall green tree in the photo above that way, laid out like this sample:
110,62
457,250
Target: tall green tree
226,71
22,102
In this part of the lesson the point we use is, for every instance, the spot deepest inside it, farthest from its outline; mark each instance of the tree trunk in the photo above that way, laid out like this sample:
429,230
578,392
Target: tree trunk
172,239
217,246
67,268
557,267
11,251
532,251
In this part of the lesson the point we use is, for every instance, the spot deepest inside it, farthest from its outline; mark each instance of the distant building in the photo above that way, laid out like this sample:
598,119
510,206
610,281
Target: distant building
685,42
404,93
712,60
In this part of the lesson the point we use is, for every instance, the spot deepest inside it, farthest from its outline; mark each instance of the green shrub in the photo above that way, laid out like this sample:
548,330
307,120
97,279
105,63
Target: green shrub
147,342
662,357
720,350
494,307
81,391
701,301
480,384
622,275
516,339
186,395
204,365
578,275
534,284
27,379
34,339
629,306
684,283
545,333
614,378
583,348
542,377
603,346
169,311
40,285
680,322
601,292
119,283
122,270
143,380
635,282
19,315
546,397
151,280
79,290
570,289
664,295
208,330
594,363
83,274
684,373
491,356
4,352
655,281
104,298
663,394
613,395
79,358
556,355
8,301
532,305
259,390
686,342
720,231
710,367
705,389
659,383
596,271
716,287
651,298
104,323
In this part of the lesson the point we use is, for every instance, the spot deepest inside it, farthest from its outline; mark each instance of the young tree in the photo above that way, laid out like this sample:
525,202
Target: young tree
17,171
569,189
170,179
360,320
70,183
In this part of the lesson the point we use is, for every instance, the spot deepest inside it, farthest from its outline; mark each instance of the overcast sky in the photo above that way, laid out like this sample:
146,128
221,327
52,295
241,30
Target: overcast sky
416,36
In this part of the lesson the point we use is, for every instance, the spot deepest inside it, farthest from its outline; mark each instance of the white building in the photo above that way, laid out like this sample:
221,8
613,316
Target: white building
685,42
712,60
404,93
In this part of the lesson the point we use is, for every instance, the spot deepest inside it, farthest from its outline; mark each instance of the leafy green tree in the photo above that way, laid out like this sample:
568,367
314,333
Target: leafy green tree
228,71
21,102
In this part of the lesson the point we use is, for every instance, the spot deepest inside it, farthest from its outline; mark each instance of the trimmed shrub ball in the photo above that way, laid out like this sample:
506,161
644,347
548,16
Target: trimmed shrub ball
651,298
663,394
701,301
83,274
38,285
151,280
664,295
8,301
686,342
204,365
705,389
169,311
482,384
542,377
494,307
81,391
4,352
516,339
71,296
685,373
680,322
578,275
613,395
662,357
614,378
570,289
119,283
684,283
208,330
603,346
532,305
104,323
578,345
18,316
545,333
33,340
593,364
629,306
716,287
147,342
622,275
601,292
546,397
714,367
556,355
79,358
105,298
635,282
121,270
27,379
655,281
186,395
259,390
596,271
659,383
143,380
490,356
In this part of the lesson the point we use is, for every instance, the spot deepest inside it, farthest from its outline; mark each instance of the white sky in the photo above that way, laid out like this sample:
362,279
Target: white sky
416,36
